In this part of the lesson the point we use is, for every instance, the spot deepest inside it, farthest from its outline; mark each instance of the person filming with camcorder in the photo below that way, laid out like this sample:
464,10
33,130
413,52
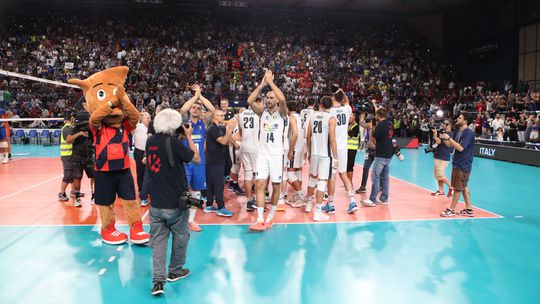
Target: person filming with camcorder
441,157
83,157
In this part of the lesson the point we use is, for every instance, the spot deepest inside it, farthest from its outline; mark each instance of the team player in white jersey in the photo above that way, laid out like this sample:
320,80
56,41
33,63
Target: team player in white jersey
321,143
248,130
235,153
296,155
272,118
342,112
290,135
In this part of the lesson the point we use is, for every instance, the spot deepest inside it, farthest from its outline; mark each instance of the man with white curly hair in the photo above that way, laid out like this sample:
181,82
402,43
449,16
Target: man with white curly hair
166,156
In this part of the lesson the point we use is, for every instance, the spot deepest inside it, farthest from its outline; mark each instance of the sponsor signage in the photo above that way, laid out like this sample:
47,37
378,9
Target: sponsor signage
509,154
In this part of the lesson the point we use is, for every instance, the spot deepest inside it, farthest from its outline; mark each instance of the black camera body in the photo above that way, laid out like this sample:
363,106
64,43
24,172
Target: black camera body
365,106
441,129
187,201
180,130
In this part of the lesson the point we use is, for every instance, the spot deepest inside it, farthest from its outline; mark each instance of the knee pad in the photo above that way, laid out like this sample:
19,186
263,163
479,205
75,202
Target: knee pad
235,168
321,185
3,145
292,176
312,182
248,175
299,175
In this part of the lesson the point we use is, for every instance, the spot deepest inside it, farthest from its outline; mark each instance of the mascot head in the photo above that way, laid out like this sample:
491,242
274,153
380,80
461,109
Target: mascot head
102,87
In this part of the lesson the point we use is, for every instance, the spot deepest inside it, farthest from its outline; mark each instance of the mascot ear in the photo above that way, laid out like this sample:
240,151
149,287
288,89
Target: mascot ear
80,83
118,74
85,106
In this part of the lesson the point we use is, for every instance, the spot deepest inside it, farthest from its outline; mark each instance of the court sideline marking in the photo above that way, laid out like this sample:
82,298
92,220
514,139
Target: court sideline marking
30,187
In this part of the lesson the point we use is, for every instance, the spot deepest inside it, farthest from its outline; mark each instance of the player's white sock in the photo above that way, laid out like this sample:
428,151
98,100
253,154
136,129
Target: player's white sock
330,200
270,216
351,197
260,214
318,208
192,212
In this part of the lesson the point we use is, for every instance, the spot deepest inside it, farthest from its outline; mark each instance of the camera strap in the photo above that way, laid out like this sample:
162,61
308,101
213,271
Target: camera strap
169,151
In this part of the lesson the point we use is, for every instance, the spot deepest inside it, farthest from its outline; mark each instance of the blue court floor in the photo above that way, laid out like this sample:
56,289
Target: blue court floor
434,261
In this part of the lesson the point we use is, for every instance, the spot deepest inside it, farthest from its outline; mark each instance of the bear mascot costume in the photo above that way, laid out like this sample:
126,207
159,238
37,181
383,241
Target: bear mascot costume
112,118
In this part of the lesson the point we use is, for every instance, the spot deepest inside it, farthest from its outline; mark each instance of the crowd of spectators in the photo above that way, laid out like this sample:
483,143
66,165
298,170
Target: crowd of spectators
227,56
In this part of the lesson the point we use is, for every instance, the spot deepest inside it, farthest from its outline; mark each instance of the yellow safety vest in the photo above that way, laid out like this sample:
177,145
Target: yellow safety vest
65,148
352,141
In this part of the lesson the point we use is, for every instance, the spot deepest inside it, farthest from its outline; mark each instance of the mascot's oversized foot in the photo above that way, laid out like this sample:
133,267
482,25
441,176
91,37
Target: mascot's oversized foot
112,236
137,235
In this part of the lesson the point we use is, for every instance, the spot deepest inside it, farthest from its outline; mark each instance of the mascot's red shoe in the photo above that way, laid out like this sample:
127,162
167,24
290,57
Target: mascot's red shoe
112,236
137,235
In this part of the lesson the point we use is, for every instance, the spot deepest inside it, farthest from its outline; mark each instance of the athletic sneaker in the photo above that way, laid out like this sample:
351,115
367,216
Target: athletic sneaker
144,203
251,205
184,272
230,187
210,209
258,226
379,202
78,202
194,227
328,209
437,193
5,160
62,196
74,194
466,212
224,212
157,290
298,203
238,191
352,208
450,192
361,190
368,203
448,213
320,217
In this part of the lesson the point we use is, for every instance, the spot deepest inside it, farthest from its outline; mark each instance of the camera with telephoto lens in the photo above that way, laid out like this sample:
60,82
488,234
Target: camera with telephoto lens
189,201
439,126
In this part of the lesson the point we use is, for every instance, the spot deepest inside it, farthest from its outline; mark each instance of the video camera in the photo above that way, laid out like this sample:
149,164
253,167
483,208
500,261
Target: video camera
439,126
180,130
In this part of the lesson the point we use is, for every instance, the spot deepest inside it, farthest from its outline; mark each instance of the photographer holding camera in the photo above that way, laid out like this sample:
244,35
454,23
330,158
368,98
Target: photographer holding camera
83,154
169,208
441,158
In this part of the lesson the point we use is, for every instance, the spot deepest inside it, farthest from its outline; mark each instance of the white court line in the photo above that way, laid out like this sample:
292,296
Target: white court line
102,271
31,187
119,248
111,259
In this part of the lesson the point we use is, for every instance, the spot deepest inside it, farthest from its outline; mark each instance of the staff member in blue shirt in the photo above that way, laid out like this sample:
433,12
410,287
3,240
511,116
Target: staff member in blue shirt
463,143
441,158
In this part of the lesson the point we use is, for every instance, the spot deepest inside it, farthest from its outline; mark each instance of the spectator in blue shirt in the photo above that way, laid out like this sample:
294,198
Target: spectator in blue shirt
463,143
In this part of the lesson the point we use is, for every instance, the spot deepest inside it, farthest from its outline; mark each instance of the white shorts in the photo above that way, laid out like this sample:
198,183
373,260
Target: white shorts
321,166
270,166
249,161
342,156
298,160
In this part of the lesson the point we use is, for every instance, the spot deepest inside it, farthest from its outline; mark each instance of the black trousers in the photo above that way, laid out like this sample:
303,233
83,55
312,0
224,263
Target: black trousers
214,185
365,171
139,155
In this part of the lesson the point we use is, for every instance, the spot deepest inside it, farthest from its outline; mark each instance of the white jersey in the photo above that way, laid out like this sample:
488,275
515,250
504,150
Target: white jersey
305,116
248,121
286,131
271,133
300,140
320,138
342,115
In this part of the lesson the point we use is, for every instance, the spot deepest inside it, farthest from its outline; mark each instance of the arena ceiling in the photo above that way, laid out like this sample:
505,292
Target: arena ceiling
404,7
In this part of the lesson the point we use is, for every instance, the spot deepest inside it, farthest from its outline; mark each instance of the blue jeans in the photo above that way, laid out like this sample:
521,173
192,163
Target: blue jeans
380,178
163,223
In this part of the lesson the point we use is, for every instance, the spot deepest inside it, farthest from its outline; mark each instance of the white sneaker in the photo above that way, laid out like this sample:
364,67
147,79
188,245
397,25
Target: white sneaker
320,217
368,203
5,160
309,207
379,202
